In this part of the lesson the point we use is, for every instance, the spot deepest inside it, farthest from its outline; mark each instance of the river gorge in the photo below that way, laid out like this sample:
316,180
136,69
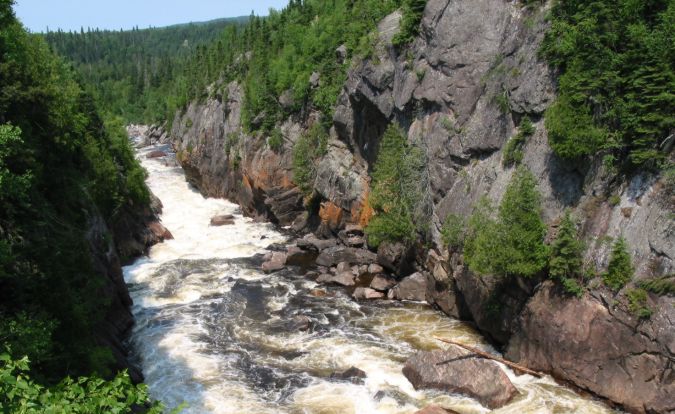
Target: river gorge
216,333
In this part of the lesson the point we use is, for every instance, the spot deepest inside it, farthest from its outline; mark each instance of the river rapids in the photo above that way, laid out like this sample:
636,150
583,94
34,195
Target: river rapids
216,334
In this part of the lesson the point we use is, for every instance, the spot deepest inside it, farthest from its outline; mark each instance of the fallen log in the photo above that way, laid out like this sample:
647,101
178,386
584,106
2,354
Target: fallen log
492,357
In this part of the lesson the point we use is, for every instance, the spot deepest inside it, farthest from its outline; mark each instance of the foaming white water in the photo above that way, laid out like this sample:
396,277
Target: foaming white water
214,332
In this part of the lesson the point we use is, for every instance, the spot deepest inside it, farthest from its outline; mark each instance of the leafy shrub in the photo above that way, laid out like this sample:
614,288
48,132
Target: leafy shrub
614,200
637,303
276,140
620,269
410,23
513,152
20,394
452,232
397,190
514,244
572,287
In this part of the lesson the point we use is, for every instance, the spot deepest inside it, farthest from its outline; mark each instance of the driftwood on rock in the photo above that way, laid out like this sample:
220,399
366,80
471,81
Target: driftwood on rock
492,357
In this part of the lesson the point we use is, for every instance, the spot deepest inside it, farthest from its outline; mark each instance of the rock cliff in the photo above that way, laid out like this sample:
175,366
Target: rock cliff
460,89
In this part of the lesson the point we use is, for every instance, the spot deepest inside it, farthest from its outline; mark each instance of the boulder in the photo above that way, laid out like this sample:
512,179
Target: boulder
343,267
457,371
344,278
413,287
353,374
367,293
311,242
155,154
434,409
299,257
375,268
315,80
300,323
382,283
334,255
341,54
160,232
276,262
396,258
222,220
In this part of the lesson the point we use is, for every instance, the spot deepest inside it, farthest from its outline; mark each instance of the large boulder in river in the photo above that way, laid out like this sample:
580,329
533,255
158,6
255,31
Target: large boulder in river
222,220
334,255
457,371
367,293
413,287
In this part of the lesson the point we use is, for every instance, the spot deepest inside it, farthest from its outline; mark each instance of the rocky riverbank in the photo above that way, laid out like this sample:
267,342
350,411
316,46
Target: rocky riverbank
444,90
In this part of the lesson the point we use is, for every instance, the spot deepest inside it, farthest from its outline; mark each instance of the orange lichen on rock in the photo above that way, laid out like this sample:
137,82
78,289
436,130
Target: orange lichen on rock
330,214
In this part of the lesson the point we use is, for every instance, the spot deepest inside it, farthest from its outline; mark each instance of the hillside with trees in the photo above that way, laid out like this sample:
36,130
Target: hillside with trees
63,168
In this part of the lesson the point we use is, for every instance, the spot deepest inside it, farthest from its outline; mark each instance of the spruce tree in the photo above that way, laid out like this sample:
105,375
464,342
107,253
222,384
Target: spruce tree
566,256
514,244
522,230
620,269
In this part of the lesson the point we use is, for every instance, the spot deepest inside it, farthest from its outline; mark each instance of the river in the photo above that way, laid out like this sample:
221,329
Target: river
217,334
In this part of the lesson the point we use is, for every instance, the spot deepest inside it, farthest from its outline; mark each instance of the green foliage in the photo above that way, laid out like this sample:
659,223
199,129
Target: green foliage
669,180
566,261
513,152
453,231
132,73
514,244
637,303
413,11
617,78
20,394
566,251
276,140
614,200
620,269
62,169
660,286
309,148
397,190
502,102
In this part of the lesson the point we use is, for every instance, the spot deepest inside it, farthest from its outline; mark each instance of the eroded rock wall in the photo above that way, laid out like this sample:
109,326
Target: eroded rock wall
460,90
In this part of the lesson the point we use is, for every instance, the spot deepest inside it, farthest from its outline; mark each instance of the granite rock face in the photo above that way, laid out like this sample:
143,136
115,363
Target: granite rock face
460,96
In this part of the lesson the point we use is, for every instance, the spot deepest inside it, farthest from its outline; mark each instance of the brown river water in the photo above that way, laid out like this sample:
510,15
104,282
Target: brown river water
212,331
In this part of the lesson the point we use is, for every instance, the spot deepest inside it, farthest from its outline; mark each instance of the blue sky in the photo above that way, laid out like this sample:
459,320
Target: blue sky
37,15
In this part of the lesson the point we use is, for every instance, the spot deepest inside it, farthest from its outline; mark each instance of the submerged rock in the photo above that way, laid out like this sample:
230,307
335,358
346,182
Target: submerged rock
353,375
222,220
457,371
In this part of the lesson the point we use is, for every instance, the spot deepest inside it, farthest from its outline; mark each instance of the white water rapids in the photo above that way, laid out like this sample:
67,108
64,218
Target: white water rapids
213,331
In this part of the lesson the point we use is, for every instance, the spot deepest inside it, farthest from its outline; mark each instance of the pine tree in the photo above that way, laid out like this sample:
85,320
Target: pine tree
620,269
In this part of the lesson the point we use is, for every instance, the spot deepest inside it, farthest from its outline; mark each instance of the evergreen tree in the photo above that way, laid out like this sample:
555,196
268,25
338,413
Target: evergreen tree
514,244
396,192
620,269
565,263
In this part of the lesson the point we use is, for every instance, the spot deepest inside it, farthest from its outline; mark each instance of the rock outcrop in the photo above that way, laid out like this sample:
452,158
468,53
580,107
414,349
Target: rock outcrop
460,97
458,371
599,345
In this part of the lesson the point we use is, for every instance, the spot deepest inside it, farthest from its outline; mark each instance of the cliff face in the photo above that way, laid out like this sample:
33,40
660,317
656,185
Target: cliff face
461,89
133,233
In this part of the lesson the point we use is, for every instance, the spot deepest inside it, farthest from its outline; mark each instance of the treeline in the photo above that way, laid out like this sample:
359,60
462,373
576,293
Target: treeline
131,73
615,95
61,167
